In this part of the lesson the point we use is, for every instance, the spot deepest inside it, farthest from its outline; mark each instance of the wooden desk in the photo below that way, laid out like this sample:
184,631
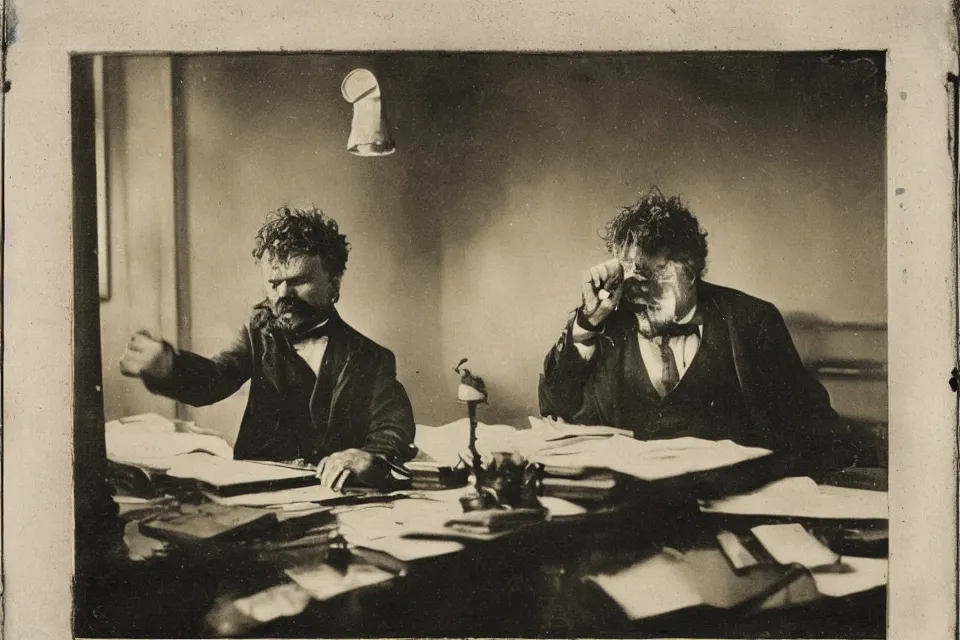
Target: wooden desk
528,584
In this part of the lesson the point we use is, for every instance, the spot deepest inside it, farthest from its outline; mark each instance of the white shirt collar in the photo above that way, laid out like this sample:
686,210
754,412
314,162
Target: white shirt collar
687,318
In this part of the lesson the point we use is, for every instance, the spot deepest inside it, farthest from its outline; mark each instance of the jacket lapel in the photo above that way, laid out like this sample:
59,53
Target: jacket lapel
735,330
346,368
612,345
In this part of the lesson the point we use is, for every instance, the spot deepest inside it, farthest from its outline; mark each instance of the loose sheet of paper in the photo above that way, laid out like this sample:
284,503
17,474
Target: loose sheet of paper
650,588
412,549
323,582
313,493
280,601
803,498
851,575
791,543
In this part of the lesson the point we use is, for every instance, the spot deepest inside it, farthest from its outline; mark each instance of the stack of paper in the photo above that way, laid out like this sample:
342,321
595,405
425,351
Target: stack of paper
803,498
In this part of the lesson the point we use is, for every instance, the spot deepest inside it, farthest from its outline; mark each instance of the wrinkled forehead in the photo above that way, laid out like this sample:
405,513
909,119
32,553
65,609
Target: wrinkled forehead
293,266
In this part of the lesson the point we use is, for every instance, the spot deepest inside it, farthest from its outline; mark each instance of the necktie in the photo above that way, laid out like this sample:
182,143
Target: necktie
670,376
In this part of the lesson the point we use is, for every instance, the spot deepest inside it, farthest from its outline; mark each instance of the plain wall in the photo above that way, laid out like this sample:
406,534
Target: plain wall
139,175
468,242
781,161
267,131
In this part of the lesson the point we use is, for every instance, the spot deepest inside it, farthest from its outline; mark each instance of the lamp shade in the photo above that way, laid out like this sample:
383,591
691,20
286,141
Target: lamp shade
369,132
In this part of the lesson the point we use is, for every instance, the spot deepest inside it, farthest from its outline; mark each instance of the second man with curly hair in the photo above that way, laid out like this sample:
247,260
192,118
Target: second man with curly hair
657,350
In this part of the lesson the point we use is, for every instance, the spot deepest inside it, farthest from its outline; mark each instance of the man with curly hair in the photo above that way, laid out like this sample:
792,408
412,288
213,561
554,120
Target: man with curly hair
320,392
655,349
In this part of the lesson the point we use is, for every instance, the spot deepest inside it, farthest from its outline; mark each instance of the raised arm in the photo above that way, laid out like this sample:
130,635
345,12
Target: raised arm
185,376
568,367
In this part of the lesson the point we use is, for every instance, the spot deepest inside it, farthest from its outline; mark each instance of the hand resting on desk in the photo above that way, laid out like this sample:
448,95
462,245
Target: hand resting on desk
334,470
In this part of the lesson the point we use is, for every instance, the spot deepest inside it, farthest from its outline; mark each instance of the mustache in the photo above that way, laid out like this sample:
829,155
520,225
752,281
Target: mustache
290,304
635,290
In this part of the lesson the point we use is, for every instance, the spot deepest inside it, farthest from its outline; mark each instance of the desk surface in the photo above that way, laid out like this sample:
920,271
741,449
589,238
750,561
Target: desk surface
528,584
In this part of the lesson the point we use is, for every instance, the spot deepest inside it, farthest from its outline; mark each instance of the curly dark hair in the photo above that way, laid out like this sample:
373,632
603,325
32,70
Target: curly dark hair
290,231
656,223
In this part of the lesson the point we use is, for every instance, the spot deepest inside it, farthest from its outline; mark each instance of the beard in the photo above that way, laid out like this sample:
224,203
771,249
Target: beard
652,320
655,314
291,314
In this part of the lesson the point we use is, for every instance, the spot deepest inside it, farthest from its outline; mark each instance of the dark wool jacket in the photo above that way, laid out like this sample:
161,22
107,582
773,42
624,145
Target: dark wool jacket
789,409
290,413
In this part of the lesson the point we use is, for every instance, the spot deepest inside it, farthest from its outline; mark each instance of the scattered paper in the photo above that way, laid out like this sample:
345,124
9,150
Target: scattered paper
412,549
152,441
368,523
281,601
648,459
550,429
791,543
446,444
650,588
560,508
851,575
221,472
311,494
803,498
558,445
323,582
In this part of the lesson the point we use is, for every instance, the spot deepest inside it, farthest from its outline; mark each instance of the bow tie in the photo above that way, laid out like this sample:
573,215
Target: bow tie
679,330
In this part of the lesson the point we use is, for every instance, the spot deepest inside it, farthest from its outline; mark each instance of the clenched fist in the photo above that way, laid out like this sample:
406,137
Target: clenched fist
601,287
145,355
